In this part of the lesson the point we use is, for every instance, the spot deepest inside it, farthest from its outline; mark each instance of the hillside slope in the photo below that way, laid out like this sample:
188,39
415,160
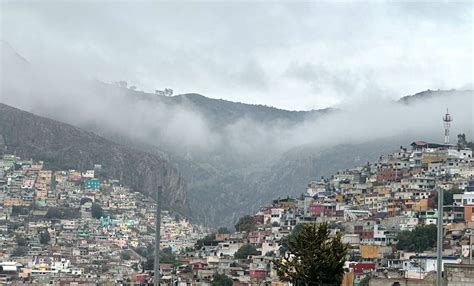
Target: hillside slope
61,145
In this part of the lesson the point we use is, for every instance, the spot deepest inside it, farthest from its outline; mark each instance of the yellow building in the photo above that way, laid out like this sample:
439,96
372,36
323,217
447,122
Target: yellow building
369,251
15,202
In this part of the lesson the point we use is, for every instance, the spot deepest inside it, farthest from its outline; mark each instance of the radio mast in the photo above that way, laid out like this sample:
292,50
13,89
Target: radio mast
447,118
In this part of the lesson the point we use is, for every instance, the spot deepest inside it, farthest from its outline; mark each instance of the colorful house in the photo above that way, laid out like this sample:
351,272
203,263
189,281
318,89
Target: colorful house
92,184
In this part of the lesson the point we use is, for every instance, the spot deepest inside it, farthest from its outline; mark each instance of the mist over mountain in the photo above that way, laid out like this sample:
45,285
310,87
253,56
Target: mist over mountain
62,146
233,156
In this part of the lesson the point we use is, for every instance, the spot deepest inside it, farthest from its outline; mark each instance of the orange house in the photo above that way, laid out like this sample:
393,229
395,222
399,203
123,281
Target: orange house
468,213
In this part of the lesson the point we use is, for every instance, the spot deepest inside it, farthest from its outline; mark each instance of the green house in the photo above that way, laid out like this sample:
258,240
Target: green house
92,184
9,161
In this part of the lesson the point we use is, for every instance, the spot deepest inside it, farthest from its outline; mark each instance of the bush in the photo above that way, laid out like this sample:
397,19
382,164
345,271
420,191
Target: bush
62,213
97,211
246,250
20,251
21,241
246,223
125,256
221,280
420,239
45,237
200,242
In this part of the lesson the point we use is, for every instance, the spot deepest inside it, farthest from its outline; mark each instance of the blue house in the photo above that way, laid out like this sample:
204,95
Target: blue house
92,184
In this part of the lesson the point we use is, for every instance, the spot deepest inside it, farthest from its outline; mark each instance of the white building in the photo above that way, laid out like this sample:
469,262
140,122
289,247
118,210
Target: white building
88,174
417,267
463,199
228,248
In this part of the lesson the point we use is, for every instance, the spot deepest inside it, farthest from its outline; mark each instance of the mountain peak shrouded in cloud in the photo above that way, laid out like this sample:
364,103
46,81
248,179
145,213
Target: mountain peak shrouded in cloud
295,56
236,156
240,72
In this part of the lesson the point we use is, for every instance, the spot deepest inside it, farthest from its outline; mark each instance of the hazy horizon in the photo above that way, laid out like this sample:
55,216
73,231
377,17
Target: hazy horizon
294,56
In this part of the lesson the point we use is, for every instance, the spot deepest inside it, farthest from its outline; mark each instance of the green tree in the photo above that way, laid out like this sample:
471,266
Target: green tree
448,197
246,223
313,258
20,251
167,256
142,251
462,142
470,145
62,213
284,241
420,239
21,241
125,256
201,241
54,213
97,211
246,250
221,280
20,210
45,237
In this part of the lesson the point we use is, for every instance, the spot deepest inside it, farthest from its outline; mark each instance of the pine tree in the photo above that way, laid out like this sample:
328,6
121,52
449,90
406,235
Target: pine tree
313,258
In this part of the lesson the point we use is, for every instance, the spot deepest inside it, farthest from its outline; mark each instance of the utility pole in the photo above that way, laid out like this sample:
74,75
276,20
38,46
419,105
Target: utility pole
157,237
470,249
439,249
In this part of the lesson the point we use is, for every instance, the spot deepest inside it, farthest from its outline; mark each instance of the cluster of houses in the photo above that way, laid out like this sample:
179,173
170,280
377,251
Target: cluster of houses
72,226
369,205
77,227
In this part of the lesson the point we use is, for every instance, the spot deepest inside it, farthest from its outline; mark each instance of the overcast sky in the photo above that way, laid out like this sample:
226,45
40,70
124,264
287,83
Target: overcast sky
289,55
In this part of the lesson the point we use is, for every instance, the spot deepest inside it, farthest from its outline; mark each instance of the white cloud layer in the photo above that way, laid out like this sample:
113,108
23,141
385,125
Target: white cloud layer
300,55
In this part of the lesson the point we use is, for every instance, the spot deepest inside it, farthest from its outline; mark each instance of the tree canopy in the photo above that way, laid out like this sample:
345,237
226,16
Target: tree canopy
246,250
246,223
463,143
20,251
21,241
125,256
313,258
62,213
201,241
448,197
45,237
284,240
420,239
97,211
221,280
166,256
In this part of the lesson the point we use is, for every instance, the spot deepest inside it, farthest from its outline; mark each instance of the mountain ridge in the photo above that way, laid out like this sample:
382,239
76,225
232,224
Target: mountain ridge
61,145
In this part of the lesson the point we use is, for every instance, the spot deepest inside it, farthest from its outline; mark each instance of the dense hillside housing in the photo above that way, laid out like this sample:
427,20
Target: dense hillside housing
76,226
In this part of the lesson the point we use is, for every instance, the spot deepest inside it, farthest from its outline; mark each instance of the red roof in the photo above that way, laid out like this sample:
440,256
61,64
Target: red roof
419,143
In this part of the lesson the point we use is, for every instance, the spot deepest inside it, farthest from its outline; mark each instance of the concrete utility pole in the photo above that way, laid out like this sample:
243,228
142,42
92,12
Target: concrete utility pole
157,237
439,249
470,249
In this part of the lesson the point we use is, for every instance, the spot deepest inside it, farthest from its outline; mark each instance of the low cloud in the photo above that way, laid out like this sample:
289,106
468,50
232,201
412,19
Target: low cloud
179,126
246,52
